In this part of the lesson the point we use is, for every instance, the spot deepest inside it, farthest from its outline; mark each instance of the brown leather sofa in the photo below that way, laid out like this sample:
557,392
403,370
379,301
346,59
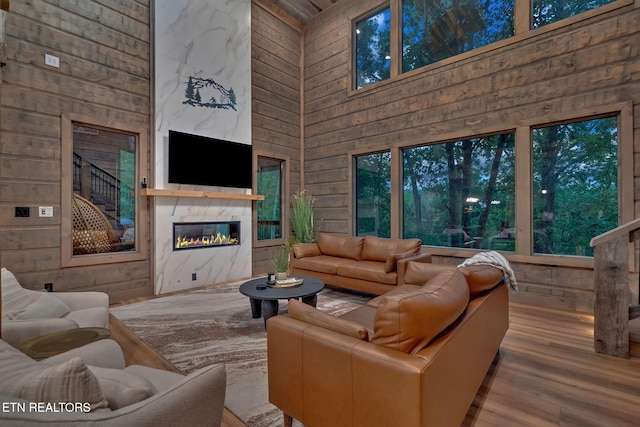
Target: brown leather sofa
368,264
415,356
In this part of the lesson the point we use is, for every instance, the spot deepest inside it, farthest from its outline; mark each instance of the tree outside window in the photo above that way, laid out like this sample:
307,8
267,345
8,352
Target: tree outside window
270,184
575,185
433,30
373,194
461,193
547,11
373,48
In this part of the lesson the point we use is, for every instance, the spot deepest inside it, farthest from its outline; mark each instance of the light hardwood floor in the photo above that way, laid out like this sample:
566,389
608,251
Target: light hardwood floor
546,374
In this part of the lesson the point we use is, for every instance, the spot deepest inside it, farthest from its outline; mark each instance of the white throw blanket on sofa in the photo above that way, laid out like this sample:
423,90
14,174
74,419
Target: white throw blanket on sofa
497,260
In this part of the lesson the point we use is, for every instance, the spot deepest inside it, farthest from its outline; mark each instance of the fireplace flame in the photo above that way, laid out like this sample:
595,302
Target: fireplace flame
212,240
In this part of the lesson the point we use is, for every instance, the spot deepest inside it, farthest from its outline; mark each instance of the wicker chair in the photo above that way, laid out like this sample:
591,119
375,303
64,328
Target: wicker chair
92,232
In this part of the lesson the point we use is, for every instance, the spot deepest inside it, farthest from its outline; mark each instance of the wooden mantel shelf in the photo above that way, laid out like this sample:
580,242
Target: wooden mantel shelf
153,192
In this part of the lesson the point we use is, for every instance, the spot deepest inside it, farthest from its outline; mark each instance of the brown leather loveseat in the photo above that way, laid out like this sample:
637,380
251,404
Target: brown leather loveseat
367,264
415,356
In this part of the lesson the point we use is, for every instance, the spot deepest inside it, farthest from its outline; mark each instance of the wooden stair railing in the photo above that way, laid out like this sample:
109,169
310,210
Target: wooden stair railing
612,310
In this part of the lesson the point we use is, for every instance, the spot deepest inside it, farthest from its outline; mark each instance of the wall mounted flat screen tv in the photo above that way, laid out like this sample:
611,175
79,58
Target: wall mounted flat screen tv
200,160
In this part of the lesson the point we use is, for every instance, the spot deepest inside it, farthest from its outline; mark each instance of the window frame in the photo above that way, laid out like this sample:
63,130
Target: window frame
393,42
401,177
522,31
523,173
531,177
353,156
524,170
141,230
284,196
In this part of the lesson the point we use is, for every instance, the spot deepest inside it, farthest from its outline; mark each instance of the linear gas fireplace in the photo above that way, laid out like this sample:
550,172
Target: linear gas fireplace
196,235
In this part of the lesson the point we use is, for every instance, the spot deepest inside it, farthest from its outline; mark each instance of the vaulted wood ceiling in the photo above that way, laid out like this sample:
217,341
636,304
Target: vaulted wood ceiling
301,10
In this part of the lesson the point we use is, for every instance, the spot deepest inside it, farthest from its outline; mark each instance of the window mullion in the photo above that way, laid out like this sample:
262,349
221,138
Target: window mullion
522,12
524,198
396,38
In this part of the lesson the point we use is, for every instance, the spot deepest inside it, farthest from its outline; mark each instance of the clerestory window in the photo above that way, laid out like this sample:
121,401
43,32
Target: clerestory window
545,12
433,30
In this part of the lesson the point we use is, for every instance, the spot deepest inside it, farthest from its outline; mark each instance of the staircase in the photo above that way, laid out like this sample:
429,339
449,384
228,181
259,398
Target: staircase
616,320
98,186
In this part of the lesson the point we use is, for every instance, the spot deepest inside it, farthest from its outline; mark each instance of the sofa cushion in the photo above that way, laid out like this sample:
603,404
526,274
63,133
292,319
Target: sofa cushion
45,306
24,378
305,313
122,388
379,248
408,322
302,250
371,271
481,278
14,297
341,245
322,263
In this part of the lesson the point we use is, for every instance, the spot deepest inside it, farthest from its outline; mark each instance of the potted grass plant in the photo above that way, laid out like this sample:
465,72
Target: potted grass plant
281,262
302,220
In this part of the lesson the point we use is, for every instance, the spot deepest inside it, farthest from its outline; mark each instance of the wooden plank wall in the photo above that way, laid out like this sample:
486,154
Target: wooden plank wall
104,51
584,65
276,91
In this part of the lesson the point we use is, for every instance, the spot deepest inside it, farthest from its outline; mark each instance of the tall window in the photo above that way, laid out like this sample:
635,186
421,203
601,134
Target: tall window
104,217
547,11
461,193
270,183
433,30
373,48
575,185
104,178
373,194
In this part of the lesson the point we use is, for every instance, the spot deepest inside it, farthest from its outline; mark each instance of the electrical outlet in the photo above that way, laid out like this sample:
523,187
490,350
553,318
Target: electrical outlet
193,276
22,211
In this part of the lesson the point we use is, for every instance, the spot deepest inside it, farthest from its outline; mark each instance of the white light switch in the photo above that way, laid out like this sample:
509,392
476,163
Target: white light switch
45,211
54,61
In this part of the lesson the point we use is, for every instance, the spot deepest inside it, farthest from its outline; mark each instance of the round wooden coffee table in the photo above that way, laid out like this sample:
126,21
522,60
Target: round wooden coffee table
58,342
265,301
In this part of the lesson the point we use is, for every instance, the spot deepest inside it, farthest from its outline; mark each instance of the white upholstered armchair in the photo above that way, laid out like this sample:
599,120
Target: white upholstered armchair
117,395
27,314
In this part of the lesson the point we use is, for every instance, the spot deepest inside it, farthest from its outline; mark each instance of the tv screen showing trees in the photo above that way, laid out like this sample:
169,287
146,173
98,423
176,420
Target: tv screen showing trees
200,160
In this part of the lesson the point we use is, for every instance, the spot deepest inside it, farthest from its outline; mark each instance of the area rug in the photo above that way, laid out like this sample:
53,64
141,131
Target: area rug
214,325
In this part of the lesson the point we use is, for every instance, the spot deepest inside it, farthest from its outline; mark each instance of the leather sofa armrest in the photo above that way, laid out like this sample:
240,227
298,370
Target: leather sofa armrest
301,250
402,264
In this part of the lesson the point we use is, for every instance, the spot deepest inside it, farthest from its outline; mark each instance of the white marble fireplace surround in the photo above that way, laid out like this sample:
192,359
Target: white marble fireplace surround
207,42
211,265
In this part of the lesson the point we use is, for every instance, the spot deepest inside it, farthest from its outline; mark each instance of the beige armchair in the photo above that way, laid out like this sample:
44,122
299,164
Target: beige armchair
95,377
27,314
